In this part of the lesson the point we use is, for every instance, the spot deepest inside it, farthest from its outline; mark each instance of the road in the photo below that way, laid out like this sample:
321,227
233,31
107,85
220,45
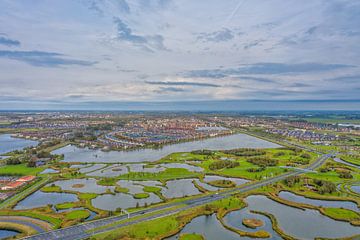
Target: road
85,230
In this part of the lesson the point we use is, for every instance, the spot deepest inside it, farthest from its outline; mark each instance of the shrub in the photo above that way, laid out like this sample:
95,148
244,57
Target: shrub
223,164
246,152
263,161
291,181
325,186
345,174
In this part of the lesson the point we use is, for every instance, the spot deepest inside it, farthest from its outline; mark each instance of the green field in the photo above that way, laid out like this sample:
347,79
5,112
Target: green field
77,215
20,169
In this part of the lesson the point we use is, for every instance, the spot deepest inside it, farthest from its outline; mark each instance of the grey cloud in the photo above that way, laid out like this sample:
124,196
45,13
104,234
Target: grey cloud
217,36
120,69
266,68
44,59
300,37
299,85
122,4
216,73
257,79
8,42
125,33
101,7
253,44
169,89
154,4
345,79
195,84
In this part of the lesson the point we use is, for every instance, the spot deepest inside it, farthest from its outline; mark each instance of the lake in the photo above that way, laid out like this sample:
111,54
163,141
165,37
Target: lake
317,202
9,144
209,227
302,224
75,154
41,199
5,234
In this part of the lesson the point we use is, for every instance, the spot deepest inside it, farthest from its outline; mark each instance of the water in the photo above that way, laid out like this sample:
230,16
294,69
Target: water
92,168
150,183
7,233
189,167
207,186
302,224
209,178
90,186
133,186
356,189
319,203
41,199
237,181
235,218
137,186
346,163
9,144
111,202
81,165
179,188
140,167
49,170
75,154
209,227
91,217
111,171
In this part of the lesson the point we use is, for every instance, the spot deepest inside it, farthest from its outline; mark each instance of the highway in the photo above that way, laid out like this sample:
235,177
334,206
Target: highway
87,229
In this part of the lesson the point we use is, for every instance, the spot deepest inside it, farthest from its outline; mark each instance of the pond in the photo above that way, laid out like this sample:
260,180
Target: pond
92,168
238,181
83,185
111,202
209,227
9,144
4,234
189,167
235,218
75,154
91,216
316,202
133,186
111,171
49,170
346,163
356,188
137,186
179,188
41,199
302,224
140,167
209,178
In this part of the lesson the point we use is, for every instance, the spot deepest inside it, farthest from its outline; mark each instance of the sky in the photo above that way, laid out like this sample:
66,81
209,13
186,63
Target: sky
253,54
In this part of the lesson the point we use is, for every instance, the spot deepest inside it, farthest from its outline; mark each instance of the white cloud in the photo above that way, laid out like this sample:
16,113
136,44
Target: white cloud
199,35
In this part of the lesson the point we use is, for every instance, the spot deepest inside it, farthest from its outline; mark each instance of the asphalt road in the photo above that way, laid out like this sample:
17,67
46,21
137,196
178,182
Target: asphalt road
85,230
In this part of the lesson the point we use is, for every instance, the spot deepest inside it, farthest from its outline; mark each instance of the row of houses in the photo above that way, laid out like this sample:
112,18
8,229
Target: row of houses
16,183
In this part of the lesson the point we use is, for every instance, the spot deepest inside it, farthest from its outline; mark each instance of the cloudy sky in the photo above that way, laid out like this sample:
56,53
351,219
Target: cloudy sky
72,52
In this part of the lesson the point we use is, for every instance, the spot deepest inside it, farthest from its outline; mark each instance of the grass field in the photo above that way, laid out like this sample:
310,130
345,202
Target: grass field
141,195
191,236
65,205
33,214
20,169
77,215
341,214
